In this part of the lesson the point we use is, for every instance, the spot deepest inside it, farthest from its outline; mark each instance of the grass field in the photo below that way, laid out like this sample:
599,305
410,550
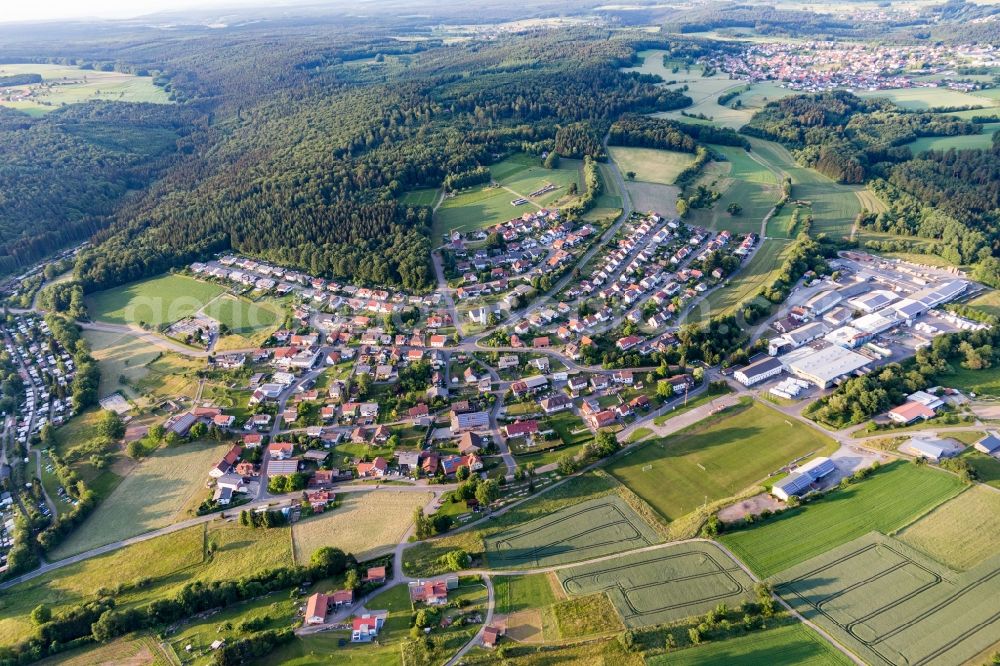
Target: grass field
365,524
153,495
716,458
744,285
962,142
479,207
171,376
517,593
988,302
887,501
833,205
71,85
139,651
241,316
741,180
664,585
891,605
585,530
424,197
156,301
651,165
987,467
960,533
647,197
168,563
120,356
984,382
919,99
790,645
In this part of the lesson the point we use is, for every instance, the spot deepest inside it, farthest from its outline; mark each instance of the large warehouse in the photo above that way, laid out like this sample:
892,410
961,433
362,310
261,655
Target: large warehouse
803,478
823,367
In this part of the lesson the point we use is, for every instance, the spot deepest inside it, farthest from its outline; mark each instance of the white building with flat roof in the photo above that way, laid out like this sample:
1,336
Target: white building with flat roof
823,367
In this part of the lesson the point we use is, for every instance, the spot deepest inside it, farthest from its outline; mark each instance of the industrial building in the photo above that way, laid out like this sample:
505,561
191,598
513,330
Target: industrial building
872,301
796,338
824,366
929,448
803,478
822,302
758,371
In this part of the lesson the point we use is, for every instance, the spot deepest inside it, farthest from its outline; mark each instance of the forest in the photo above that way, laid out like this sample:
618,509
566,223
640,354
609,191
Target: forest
63,175
323,156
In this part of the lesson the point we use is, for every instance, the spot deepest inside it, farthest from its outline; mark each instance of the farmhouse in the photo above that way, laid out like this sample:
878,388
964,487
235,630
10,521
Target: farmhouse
317,607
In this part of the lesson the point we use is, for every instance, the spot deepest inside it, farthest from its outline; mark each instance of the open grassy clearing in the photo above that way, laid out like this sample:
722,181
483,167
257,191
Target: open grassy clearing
891,605
664,585
716,458
988,301
63,84
153,495
984,382
740,180
168,563
423,197
139,651
987,467
518,593
760,271
483,206
920,99
887,501
961,142
962,532
833,205
365,524
170,376
120,357
651,165
156,301
784,646
585,530
653,197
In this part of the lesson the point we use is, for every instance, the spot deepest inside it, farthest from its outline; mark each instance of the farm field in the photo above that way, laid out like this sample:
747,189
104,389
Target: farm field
168,562
960,533
664,585
962,142
758,272
654,197
892,605
118,356
156,301
833,205
585,530
140,651
519,593
71,85
784,646
741,180
385,515
885,502
153,495
480,206
423,197
715,459
651,165
919,99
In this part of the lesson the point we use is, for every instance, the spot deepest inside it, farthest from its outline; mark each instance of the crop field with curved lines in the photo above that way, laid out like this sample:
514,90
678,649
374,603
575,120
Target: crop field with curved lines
663,585
892,605
594,528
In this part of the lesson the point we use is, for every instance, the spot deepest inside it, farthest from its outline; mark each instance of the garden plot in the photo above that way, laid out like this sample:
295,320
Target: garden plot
891,605
665,585
597,527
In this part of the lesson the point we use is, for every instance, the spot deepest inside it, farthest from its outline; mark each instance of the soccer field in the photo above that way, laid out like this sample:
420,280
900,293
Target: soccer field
663,585
241,316
891,605
716,458
582,531
885,502
156,301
